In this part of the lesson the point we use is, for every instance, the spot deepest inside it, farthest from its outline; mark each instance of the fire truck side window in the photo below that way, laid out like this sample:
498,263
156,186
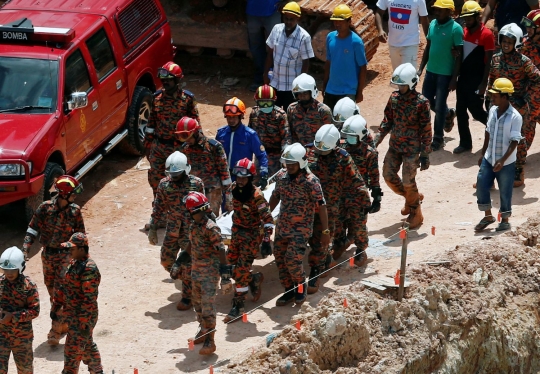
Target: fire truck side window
77,78
102,55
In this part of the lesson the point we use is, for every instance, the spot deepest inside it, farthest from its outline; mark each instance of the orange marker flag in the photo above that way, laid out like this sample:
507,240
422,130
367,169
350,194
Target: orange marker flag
432,230
499,217
211,369
351,262
244,318
402,234
298,325
135,371
191,344
397,276
345,303
301,288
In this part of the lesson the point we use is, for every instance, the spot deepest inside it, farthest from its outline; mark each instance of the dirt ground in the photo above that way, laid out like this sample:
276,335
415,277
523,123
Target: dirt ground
139,326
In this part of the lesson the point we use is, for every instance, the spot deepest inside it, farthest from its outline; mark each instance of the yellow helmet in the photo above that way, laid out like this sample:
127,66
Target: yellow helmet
502,85
341,12
444,4
470,8
292,8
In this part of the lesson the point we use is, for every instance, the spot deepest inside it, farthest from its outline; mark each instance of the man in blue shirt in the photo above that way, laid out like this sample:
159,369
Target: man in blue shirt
346,64
241,141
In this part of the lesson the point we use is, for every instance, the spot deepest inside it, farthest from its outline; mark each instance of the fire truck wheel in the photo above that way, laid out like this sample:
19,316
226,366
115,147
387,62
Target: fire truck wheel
52,172
137,120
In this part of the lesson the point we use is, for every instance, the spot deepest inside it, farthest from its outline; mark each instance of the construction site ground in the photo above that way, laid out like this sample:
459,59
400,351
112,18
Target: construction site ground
139,326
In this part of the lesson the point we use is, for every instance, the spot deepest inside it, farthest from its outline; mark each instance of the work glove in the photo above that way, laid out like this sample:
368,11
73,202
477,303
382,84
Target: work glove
424,163
152,235
53,315
376,194
263,182
85,331
183,260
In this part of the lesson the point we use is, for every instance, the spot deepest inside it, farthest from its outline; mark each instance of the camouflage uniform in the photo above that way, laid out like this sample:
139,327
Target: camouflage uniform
304,123
160,133
526,97
248,217
206,244
54,227
20,298
209,162
352,217
169,203
531,49
300,197
274,134
78,296
408,117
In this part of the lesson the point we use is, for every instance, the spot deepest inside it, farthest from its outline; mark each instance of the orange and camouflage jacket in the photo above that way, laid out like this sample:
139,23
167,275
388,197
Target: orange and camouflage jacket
531,49
167,111
254,212
169,204
366,159
524,76
304,122
272,128
300,197
338,174
408,118
78,293
208,161
206,244
53,225
20,298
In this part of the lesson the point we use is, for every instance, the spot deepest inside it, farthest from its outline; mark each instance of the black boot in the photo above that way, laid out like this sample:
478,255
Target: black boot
255,285
340,246
286,298
199,338
237,308
360,258
300,297
313,284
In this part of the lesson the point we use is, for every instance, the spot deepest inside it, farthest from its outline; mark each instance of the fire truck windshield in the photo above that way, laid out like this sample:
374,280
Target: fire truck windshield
28,86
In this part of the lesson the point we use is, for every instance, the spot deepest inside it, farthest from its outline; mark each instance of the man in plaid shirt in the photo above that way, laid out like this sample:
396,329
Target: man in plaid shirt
288,53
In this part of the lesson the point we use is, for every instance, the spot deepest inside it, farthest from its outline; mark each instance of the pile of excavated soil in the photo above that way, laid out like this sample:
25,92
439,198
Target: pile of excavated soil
478,314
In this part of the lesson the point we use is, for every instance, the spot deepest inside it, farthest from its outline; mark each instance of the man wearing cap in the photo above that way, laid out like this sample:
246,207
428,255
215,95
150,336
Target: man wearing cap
78,297
288,52
345,68
19,305
442,60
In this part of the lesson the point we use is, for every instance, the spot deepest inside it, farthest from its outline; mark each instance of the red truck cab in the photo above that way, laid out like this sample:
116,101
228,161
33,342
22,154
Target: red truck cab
76,78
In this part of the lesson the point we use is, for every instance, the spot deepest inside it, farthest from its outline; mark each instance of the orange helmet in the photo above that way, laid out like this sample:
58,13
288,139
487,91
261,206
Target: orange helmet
66,185
186,127
532,19
196,202
170,70
234,107
265,92
245,168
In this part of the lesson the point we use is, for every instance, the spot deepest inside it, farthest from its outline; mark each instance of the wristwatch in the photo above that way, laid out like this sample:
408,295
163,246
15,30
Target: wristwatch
326,232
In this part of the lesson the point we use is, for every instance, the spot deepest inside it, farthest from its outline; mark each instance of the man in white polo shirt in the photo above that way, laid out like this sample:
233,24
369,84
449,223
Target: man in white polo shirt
403,31
288,52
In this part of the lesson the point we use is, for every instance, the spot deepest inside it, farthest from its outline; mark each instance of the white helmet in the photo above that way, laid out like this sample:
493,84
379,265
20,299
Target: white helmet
405,74
326,138
512,31
12,259
303,83
344,109
355,125
176,164
294,153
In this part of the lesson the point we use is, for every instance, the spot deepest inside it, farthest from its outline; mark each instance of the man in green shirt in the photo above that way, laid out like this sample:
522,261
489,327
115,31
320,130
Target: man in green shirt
443,59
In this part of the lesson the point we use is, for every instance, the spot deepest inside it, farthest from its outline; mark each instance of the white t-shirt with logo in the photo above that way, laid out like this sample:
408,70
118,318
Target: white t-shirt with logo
403,17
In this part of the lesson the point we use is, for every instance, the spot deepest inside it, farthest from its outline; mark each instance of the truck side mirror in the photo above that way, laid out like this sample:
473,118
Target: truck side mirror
78,100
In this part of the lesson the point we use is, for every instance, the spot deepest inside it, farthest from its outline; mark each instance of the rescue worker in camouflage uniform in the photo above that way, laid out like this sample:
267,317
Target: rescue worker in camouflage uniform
306,115
54,221
19,305
171,103
78,296
353,216
208,161
251,217
407,116
301,197
169,206
343,110
531,43
209,263
270,123
520,70
335,169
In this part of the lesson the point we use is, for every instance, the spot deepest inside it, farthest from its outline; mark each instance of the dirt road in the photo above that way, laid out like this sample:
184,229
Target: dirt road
139,326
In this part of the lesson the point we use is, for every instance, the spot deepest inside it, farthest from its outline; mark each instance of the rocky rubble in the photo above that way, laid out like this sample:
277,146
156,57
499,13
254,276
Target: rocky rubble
479,314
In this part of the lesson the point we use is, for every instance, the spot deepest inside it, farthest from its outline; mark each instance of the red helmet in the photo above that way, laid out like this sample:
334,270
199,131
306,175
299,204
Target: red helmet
170,70
234,107
532,19
244,168
186,127
265,92
65,185
196,202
